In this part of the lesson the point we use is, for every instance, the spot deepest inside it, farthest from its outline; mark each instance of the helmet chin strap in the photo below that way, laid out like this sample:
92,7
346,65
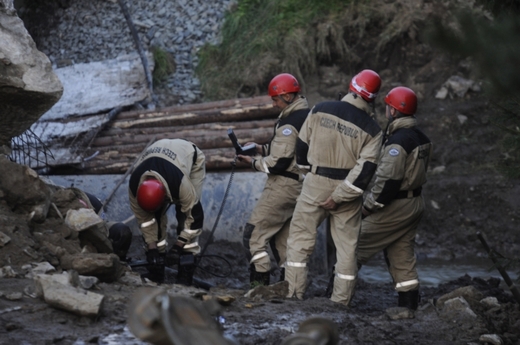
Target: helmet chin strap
288,102
385,134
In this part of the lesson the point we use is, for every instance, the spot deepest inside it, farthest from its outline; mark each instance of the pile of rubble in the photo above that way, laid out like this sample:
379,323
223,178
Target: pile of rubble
88,31
47,229
52,253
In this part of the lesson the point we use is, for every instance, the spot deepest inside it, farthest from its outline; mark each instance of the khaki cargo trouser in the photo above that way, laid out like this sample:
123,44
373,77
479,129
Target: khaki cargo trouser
345,224
393,230
270,220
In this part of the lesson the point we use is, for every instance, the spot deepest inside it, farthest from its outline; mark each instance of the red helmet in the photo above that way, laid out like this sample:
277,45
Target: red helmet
403,99
150,195
366,84
282,84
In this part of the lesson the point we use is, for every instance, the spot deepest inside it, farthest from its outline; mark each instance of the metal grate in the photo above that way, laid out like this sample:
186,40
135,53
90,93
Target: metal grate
28,149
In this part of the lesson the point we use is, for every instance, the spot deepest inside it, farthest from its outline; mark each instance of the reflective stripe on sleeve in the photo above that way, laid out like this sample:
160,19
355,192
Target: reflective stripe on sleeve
407,283
266,169
347,182
146,224
191,232
345,276
296,264
378,204
191,245
258,256
162,243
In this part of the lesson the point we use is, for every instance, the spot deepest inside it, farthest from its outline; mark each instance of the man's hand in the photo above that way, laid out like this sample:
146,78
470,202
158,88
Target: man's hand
245,159
329,204
365,212
258,147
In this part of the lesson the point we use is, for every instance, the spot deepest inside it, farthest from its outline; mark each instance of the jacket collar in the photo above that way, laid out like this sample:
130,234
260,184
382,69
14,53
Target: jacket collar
299,103
402,122
358,102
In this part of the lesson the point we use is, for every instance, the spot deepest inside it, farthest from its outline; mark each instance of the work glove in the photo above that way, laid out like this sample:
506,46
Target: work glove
153,256
173,255
365,212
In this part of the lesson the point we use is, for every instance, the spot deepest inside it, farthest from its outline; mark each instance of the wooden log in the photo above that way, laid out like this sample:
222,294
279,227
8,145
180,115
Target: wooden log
223,126
216,160
200,137
181,109
189,118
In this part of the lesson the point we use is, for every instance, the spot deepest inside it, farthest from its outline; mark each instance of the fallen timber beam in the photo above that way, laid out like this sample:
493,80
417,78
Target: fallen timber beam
216,160
191,118
199,135
223,126
115,157
203,139
197,107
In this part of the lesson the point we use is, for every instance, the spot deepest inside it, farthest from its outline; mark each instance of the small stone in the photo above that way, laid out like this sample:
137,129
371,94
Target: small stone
490,302
14,296
491,339
4,239
399,313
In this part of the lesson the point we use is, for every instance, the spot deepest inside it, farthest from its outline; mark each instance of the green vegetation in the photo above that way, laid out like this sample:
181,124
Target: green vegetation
164,64
263,38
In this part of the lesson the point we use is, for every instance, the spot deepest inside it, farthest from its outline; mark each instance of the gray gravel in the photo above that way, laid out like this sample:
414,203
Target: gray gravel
96,30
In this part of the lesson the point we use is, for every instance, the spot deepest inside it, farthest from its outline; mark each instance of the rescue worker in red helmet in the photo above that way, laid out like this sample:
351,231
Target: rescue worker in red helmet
170,171
394,207
339,145
269,222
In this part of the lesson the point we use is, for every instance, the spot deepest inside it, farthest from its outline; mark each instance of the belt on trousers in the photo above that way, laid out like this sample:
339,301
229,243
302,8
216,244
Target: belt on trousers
404,194
333,173
288,174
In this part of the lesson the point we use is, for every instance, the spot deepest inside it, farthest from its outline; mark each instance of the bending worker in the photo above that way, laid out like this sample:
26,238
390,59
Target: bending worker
270,220
394,207
339,143
170,171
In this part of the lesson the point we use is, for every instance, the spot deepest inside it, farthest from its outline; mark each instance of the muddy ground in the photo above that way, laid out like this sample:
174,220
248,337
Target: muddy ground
464,195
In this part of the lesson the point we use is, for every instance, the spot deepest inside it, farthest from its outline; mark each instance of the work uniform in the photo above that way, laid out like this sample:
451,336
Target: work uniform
180,166
339,143
396,202
271,216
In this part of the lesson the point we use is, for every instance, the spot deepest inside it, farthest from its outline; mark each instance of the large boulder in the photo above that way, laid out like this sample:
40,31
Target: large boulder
28,85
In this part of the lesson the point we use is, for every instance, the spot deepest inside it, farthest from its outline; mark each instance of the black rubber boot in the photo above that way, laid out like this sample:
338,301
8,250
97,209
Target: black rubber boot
155,273
409,299
258,278
330,286
282,274
186,269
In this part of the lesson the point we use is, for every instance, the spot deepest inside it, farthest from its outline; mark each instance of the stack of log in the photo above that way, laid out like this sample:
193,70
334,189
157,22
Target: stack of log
116,148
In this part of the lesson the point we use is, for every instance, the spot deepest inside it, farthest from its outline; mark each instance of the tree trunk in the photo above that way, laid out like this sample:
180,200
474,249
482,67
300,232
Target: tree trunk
200,137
